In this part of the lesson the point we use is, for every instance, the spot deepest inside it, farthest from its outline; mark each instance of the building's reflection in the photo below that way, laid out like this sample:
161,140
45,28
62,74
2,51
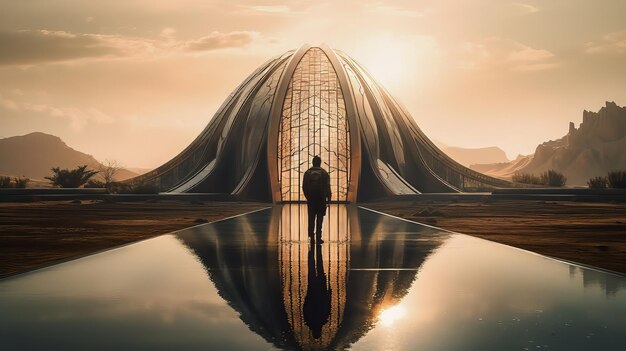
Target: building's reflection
298,295
610,284
313,277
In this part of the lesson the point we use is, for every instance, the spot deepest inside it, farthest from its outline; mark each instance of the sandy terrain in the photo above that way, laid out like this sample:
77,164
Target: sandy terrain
38,234
41,233
589,233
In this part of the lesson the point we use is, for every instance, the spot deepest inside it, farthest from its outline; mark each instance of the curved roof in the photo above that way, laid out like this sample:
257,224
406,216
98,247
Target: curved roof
314,100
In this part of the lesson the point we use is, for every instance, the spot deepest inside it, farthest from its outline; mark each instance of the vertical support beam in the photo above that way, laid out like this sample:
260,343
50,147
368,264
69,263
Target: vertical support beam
355,131
274,125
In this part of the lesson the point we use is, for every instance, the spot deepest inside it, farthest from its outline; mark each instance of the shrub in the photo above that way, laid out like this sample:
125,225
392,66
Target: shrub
147,187
94,183
553,178
107,171
74,178
21,182
479,189
526,178
616,179
597,182
5,182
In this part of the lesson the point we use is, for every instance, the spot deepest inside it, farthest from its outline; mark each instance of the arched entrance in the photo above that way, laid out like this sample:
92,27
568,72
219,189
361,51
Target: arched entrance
313,122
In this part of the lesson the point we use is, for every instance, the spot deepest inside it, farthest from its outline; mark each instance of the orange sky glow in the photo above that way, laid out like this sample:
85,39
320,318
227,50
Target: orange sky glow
137,80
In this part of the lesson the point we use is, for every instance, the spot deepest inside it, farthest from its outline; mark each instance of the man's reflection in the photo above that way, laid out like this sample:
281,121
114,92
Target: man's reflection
316,307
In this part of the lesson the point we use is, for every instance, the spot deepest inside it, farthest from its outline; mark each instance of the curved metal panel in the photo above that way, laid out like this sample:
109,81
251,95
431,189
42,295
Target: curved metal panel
201,152
256,126
388,126
233,121
355,135
274,122
373,135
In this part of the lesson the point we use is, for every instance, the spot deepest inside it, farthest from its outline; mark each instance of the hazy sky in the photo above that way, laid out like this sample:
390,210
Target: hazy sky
136,80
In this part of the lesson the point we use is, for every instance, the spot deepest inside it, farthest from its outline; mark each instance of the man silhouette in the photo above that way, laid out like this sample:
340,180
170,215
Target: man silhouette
316,189
316,307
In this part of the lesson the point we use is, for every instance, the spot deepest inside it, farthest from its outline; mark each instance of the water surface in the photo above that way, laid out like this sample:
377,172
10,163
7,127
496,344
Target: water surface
255,282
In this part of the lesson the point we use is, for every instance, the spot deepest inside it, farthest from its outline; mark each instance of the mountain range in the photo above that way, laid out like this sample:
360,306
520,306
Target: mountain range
33,155
470,156
596,147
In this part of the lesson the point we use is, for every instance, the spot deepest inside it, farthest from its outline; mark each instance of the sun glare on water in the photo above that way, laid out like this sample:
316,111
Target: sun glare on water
390,315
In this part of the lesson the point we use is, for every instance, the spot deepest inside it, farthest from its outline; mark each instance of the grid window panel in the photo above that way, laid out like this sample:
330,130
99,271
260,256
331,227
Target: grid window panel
313,122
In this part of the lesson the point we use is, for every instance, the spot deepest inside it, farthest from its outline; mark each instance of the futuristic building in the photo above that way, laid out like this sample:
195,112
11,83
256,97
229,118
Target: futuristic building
313,101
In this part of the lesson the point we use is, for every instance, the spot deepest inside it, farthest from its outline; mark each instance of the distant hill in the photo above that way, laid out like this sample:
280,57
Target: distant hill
33,155
139,170
504,170
596,147
469,156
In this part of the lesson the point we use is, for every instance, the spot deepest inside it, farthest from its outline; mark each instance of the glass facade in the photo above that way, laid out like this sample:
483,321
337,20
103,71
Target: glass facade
313,122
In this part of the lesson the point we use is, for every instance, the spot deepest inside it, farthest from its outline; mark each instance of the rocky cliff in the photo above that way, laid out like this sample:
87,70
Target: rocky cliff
596,147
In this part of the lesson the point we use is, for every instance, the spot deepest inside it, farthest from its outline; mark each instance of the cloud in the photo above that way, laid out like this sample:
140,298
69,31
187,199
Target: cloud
272,9
29,47
523,7
283,10
78,118
218,40
610,43
8,104
25,47
389,10
504,53
168,33
525,58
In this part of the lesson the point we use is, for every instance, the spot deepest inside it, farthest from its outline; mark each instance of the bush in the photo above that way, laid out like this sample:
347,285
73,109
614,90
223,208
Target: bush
553,178
119,188
144,188
616,179
21,182
94,183
74,178
5,182
597,182
107,171
134,188
526,178
549,178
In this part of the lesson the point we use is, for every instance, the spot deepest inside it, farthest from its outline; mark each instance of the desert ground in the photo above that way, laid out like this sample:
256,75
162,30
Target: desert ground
37,234
584,232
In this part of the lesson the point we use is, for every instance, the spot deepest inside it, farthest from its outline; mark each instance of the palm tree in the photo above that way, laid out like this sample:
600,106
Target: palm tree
74,178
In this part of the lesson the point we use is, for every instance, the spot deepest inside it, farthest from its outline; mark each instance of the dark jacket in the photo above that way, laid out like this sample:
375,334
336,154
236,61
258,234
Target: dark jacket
316,190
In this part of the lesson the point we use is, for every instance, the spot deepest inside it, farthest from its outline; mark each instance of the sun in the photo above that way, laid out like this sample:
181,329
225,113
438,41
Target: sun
397,62
390,315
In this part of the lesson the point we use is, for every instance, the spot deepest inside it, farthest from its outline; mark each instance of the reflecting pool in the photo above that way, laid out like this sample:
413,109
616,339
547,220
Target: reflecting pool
255,282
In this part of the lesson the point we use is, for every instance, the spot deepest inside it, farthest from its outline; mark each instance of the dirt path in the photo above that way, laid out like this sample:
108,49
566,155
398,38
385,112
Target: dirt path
39,234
